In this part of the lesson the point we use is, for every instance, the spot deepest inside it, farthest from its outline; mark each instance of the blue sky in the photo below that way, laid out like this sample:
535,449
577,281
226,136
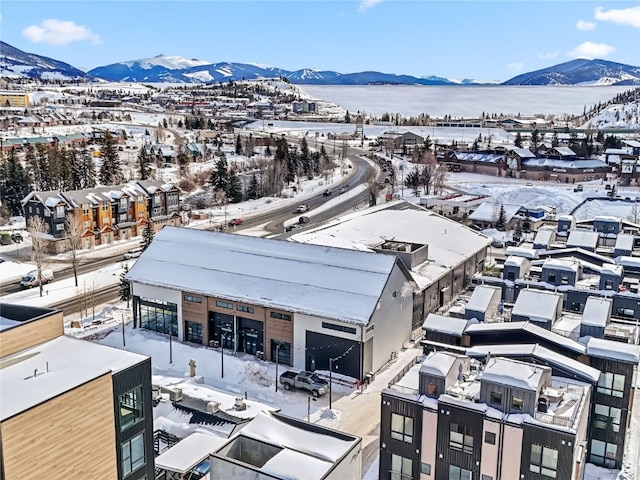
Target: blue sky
484,40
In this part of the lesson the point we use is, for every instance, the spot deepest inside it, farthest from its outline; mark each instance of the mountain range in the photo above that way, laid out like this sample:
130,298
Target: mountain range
175,69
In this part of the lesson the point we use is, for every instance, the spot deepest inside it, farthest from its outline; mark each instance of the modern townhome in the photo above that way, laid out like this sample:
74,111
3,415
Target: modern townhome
590,348
455,417
107,214
70,408
305,305
441,255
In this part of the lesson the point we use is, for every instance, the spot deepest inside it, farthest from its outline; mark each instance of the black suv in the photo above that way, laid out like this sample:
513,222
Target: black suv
17,237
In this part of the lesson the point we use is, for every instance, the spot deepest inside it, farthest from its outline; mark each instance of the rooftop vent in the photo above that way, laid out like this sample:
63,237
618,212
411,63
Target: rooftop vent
240,405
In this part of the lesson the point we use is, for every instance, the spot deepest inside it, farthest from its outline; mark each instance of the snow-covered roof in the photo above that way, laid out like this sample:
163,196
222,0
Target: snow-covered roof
624,242
189,452
305,454
566,217
632,143
537,305
479,157
488,212
439,363
561,264
523,252
482,296
515,261
607,218
506,371
626,261
543,237
597,311
583,238
611,269
566,151
71,362
442,324
609,349
449,242
523,152
559,163
321,281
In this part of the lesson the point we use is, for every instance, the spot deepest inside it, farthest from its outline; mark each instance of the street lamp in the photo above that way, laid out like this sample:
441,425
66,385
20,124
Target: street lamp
222,337
277,362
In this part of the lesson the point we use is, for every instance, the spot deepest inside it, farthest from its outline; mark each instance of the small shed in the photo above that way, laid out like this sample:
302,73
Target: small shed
557,271
441,370
585,239
484,303
516,267
596,316
449,330
629,264
538,306
610,277
566,223
544,239
624,245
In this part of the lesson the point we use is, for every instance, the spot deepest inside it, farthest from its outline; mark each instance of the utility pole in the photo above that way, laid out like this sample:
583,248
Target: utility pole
277,361
222,337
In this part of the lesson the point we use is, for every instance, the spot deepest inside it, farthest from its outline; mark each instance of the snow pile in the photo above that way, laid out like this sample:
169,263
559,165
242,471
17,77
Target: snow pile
256,373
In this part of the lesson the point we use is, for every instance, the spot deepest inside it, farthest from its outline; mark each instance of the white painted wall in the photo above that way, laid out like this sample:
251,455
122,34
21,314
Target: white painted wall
163,294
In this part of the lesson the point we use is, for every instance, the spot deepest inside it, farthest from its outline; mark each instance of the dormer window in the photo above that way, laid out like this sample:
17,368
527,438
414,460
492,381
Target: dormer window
517,403
60,211
432,389
496,399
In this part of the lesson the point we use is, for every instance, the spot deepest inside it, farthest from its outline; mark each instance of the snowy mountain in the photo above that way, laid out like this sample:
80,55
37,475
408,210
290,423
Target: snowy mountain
581,72
16,63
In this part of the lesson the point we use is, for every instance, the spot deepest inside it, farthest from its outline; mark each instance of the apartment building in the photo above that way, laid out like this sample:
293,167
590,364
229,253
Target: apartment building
107,214
70,408
14,98
453,417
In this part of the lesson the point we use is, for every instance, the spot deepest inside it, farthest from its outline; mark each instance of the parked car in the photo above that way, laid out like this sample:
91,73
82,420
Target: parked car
511,243
308,381
133,253
341,191
302,208
236,221
326,193
31,279
607,187
497,244
17,237
578,188
302,220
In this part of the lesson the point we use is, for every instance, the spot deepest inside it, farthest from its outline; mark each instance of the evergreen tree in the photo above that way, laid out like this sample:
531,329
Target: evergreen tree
44,168
253,192
15,184
124,289
238,145
305,157
526,224
110,170
517,232
518,141
147,234
144,164
234,189
502,219
219,179
183,161
33,167
88,176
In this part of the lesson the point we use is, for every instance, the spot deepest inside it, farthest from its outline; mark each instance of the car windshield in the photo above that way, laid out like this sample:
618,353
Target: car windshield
315,379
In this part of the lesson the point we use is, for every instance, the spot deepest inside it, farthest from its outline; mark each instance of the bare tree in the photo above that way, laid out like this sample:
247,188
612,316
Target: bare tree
39,233
440,180
389,145
73,233
634,214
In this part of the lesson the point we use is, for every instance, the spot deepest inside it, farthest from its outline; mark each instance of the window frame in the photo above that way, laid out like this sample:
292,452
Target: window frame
465,443
607,421
538,464
515,401
491,398
129,464
490,437
136,406
190,335
406,426
403,462
607,382
223,304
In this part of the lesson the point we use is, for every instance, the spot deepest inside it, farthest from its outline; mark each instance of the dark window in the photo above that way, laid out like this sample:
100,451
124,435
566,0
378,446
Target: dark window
461,438
281,316
191,298
370,328
608,284
339,328
551,278
425,468
193,332
516,403
486,477
575,307
432,389
242,308
130,404
133,454
224,304
625,312
495,398
544,460
490,438
606,418
159,316
457,473
401,468
401,428
603,453
611,384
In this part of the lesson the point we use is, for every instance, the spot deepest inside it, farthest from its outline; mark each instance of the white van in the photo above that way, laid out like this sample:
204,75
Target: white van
135,253
31,279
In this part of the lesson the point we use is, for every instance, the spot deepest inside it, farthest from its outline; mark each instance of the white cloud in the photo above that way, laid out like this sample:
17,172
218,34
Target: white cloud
590,50
584,25
365,4
516,67
548,56
625,16
59,32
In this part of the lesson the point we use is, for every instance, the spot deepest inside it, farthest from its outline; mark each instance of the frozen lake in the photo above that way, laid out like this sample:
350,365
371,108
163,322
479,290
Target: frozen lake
463,101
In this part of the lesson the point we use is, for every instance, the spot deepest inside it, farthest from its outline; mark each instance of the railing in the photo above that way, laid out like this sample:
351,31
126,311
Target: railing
403,372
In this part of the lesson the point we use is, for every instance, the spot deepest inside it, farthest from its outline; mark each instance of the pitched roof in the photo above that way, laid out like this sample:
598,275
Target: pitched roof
321,281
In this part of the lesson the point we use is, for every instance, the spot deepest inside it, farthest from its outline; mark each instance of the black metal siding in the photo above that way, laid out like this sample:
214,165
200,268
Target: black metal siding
322,347
445,456
563,442
123,381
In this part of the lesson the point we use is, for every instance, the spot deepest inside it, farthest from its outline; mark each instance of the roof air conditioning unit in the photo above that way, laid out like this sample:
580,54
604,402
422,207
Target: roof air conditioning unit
213,407
240,405
175,394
